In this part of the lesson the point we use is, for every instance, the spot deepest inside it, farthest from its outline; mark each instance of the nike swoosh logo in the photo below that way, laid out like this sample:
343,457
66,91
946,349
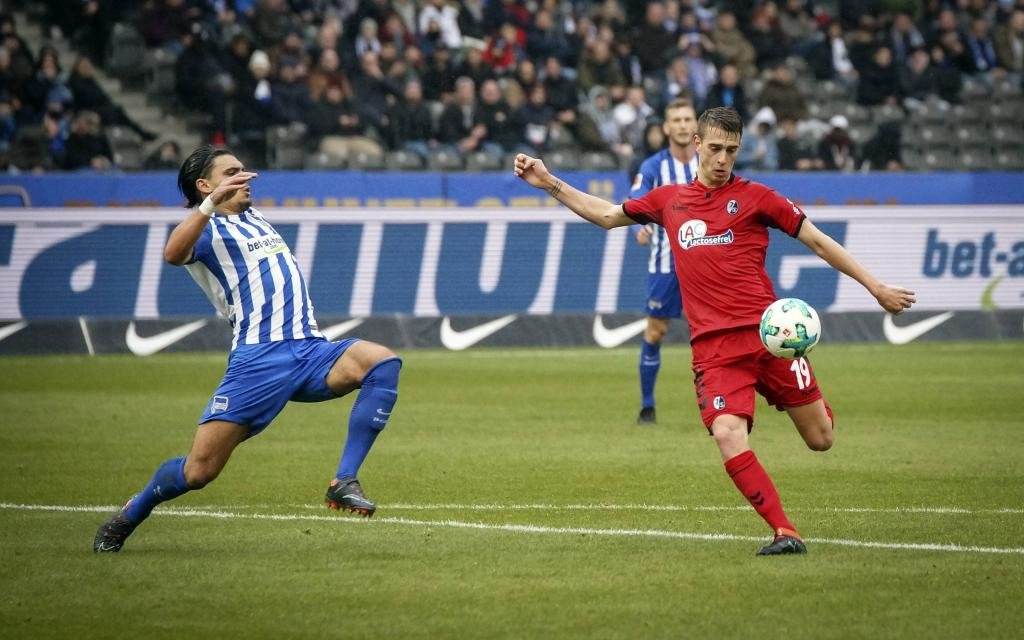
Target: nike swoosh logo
147,346
459,340
340,329
911,332
610,338
12,329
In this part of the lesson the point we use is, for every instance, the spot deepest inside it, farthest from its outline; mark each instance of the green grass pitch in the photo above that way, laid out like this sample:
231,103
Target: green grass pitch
517,499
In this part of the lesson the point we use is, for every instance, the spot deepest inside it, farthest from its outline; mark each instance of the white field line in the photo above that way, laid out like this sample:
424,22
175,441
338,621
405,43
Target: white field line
521,528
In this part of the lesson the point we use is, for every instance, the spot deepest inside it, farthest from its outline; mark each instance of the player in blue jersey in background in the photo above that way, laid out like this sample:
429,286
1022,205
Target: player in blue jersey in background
277,353
676,164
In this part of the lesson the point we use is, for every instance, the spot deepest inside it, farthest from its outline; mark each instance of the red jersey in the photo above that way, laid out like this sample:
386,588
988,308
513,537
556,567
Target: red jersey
719,239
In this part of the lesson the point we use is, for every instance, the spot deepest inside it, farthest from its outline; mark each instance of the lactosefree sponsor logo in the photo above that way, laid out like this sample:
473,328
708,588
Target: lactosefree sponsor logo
693,233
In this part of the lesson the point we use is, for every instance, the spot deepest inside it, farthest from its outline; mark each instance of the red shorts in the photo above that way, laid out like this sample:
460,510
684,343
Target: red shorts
729,367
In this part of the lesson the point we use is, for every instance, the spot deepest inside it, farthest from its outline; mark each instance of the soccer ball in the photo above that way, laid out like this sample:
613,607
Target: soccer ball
790,328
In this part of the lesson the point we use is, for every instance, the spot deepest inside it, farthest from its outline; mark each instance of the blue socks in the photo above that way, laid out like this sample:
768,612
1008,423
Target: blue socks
167,484
650,362
370,414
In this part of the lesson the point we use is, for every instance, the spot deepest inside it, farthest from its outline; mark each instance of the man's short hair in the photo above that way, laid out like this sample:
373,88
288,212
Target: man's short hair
725,119
197,166
678,103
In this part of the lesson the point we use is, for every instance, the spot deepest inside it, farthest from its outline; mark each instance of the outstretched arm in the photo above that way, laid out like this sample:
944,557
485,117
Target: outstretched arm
182,241
892,299
590,208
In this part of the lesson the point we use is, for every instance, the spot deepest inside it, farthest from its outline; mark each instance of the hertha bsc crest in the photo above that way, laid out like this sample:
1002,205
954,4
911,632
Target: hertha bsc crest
732,208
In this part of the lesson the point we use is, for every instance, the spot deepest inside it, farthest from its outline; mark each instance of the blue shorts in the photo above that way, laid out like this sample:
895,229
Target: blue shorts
262,378
663,297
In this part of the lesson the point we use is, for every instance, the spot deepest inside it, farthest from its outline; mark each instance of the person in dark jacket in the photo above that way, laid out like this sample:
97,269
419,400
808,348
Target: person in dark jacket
336,121
87,94
410,126
86,146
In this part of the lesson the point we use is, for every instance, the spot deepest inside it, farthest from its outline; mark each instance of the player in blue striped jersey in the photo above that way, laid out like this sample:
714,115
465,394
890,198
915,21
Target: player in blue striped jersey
676,164
277,353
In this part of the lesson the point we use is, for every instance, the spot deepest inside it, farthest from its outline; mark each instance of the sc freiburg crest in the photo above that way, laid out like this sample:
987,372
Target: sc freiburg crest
732,208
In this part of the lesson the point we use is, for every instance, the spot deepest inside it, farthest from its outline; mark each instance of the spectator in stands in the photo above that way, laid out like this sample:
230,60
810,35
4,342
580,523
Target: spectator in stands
166,157
917,79
473,66
561,89
89,95
47,85
163,22
56,128
782,95
252,112
793,153
904,38
472,20
948,76
410,126
200,82
879,81
545,39
396,33
498,12
289,99
439,76
732,47
495,114
376,92
622,51
526,75
653,41
862,43
536,119
882,151
676,82
598,68
504,49
702,71
235,59
335,122
270,22
798,26
326,72
86,146
1009,42
836,149
633,114
439,25
759,149
598,129
728,92
981,48
367,40
610,13
459,127
830,58
766,36
8,125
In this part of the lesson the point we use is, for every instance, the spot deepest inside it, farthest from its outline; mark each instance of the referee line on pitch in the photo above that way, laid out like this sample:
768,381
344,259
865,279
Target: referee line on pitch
518,528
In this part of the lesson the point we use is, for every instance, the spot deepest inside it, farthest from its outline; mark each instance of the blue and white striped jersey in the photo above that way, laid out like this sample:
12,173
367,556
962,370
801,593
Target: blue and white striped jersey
247,271
656,171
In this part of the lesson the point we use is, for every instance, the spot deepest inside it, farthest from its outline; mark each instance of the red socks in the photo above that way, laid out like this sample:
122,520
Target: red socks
755,485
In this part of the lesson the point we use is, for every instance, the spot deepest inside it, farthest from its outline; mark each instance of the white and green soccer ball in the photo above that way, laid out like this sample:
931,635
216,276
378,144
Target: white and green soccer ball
790,328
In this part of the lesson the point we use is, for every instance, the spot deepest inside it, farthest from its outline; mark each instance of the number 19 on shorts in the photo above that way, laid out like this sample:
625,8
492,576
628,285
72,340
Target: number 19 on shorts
802,371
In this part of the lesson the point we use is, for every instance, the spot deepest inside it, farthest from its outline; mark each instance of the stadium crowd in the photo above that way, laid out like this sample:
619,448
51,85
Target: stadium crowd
365,77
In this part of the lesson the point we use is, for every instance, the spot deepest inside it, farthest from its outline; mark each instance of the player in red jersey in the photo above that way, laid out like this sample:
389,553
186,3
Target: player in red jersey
719,226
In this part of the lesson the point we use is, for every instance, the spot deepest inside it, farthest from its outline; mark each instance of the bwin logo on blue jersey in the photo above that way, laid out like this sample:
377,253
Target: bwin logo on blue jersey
693,234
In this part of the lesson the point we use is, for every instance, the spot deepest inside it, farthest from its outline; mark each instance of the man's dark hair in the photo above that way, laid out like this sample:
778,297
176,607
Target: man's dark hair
725,119
197,166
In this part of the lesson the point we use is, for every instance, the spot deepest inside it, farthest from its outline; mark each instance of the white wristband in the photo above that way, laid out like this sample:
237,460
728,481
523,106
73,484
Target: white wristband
207,208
